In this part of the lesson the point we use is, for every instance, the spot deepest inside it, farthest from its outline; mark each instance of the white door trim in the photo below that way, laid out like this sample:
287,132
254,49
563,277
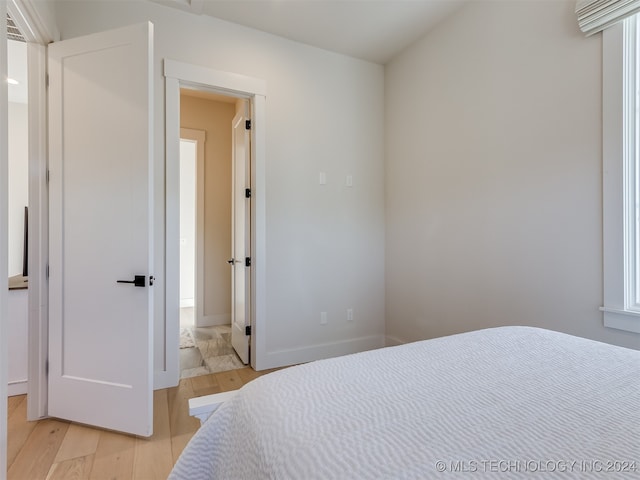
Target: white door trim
38,338
4,223
233,84
30,23
202,78
26,15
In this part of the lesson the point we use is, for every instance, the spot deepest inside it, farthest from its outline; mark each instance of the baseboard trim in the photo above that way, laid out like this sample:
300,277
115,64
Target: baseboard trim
19,387
213,320
392,341
187,303
294,356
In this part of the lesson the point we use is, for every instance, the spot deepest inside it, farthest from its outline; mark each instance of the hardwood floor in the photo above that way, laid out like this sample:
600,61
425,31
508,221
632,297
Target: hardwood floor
56,449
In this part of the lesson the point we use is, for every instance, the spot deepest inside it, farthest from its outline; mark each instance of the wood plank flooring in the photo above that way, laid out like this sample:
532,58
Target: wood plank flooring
53,449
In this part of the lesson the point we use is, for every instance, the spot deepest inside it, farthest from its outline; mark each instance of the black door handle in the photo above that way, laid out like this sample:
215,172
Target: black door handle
138,281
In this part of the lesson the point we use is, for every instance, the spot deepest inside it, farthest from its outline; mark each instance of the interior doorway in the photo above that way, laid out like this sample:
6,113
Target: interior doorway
18,201
180,75
26,26
205,232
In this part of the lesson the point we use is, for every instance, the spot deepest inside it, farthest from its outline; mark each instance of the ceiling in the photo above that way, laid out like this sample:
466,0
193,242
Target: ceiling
373,30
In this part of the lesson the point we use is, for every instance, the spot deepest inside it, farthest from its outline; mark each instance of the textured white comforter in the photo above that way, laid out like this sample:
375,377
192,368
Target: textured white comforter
513,402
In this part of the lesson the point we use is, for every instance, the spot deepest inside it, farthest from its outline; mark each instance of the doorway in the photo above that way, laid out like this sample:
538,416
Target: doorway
18,201
24,25
184,75
205,232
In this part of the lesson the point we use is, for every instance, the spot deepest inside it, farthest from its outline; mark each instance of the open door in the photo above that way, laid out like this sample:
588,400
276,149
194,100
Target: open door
240,235
101,231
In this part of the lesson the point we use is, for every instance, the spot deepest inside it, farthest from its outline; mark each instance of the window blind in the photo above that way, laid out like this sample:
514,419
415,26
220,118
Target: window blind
596,15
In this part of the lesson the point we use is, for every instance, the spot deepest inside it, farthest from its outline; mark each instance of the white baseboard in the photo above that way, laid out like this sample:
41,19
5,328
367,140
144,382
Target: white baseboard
295,356
212,320
393,341
18,387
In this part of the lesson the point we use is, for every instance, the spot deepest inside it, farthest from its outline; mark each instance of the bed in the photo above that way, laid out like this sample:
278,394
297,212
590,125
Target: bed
510,401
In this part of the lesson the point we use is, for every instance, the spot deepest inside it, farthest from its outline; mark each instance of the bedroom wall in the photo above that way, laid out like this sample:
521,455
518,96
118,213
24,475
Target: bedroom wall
493,176
325,244
18,192
215,119
19,184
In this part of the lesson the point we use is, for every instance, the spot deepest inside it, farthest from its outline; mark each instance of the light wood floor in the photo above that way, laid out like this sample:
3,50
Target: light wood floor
56,449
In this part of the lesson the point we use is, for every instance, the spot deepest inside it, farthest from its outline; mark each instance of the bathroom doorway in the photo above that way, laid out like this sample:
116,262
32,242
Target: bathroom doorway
205,232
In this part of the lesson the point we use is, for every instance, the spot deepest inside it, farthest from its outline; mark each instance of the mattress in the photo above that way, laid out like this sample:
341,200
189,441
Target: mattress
519,402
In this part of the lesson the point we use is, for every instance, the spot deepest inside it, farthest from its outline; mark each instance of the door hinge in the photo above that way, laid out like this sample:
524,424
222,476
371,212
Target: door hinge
247,124
46,367
46,80
48,176
247,262
47,271
247,330
247,193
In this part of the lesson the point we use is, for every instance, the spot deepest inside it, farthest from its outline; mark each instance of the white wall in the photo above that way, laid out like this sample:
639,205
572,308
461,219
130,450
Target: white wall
18,311
493,175
325,244
18,192
18,184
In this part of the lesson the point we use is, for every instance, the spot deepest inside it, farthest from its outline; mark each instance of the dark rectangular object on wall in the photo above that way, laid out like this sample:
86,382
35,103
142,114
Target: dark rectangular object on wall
25,253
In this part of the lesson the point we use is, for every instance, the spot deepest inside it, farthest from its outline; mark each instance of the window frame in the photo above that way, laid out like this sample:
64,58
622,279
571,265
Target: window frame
621,234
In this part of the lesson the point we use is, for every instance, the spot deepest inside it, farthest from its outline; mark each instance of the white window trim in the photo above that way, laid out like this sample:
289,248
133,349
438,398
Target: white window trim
621,309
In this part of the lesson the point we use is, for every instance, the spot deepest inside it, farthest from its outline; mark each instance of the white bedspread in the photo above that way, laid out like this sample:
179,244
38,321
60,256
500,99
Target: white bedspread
514,402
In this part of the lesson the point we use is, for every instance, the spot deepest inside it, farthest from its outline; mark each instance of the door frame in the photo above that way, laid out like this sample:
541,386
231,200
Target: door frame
177,75
38,33
4,238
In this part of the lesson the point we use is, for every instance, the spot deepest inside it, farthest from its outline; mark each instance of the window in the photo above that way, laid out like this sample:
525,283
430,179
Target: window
621,175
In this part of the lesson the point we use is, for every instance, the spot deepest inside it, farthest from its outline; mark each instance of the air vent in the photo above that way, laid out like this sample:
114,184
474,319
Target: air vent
12,30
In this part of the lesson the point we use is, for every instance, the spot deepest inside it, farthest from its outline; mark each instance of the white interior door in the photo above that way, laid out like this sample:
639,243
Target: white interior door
240,228
101,201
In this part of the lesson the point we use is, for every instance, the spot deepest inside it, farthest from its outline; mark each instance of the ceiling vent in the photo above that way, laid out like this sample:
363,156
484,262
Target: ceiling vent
12,31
